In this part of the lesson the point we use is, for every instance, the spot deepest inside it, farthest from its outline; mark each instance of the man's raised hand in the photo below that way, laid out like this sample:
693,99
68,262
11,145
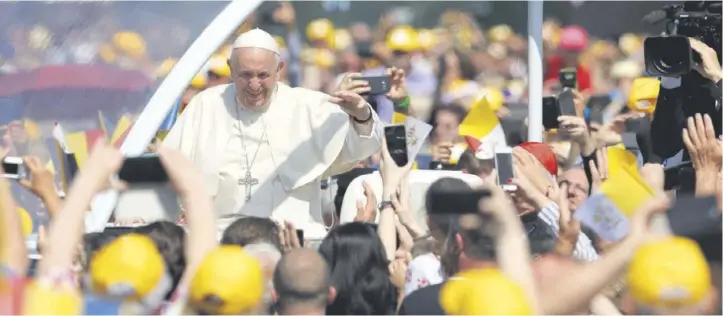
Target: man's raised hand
351,83
41,179
352,103
709,66
699,138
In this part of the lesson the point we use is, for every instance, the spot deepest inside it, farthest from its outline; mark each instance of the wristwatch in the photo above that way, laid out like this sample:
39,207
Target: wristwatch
385,204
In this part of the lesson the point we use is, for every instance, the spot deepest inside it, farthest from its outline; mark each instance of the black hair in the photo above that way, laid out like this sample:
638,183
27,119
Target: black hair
359,271
249,230
169,239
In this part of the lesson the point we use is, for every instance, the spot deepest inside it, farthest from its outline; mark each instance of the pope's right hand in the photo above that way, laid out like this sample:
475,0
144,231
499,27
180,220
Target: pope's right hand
351,83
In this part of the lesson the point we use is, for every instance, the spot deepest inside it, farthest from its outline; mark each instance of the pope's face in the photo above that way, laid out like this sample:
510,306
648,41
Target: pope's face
255,72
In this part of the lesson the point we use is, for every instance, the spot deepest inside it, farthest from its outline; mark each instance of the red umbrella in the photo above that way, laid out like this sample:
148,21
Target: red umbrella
74,77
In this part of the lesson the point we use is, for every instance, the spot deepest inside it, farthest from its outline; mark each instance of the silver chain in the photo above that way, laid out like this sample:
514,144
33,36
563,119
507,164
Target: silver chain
243,142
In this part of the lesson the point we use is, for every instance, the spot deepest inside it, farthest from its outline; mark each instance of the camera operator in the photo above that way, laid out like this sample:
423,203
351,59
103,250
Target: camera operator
697,92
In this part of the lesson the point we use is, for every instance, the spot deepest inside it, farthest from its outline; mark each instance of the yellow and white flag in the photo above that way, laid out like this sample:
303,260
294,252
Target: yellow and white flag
619,158
608,210
482,123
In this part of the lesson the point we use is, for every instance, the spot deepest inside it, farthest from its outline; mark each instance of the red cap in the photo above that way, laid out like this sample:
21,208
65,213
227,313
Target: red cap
573,38
544,155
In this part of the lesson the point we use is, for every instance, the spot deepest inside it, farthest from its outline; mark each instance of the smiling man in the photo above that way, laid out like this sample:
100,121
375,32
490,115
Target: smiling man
263,146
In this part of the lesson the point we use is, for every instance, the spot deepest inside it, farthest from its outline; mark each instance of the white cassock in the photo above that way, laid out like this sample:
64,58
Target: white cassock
296,141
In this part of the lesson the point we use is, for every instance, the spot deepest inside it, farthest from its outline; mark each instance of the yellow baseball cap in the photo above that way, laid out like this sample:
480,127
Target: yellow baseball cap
669,273
130,43
321,30
228,281
403,38
644,94
219,65
43,298
26,222
130,264
484,292
165,67
199,81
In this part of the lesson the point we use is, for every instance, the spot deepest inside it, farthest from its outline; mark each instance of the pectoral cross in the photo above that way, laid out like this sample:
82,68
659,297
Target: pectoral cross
248,181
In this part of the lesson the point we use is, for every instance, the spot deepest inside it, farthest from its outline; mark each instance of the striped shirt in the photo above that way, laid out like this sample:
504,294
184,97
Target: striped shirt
584,249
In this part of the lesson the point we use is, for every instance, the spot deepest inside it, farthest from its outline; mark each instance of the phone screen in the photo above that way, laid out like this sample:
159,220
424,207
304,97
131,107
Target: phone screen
568,78
378,85
144,169
14,168
396,137
566,103
11,168
550,113
503,165
454,202
300,235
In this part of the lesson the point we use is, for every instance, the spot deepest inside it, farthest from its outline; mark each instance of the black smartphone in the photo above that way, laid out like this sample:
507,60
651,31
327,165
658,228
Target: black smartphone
595,115
568,78
637,124
396,137
455,202
550,112
566,103
505,169
143,169
300,235
378,85
14,168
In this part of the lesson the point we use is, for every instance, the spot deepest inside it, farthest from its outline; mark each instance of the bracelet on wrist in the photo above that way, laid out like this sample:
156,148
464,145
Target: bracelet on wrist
404,103
366,120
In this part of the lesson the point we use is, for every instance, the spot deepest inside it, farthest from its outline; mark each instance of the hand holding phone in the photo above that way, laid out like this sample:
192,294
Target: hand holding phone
550,112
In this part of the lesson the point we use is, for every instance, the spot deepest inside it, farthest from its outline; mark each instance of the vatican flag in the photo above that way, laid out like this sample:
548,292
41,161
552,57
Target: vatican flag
608,210
482,123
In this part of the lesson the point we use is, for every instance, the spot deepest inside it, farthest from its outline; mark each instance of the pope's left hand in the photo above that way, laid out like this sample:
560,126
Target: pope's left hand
398,90
352,103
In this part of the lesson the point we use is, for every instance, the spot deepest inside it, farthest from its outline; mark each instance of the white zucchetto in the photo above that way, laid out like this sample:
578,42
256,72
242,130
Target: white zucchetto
257,38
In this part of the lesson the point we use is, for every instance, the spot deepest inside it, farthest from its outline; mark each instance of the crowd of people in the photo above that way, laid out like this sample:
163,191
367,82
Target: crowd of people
586,221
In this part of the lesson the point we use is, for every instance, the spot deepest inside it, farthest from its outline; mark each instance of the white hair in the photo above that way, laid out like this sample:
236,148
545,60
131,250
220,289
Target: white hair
268,255
277,57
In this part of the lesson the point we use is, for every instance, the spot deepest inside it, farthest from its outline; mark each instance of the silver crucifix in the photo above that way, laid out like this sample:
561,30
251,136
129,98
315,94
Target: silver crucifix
248,181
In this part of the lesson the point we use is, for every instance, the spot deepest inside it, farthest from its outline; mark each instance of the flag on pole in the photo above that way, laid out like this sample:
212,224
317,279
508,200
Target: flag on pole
105,124
121,130
607,211
481,123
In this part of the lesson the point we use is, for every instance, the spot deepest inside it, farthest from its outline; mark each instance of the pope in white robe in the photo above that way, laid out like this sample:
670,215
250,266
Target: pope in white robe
264,147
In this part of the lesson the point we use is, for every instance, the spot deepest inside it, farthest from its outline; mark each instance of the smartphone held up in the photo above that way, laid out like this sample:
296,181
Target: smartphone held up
505,169
14,168
396,138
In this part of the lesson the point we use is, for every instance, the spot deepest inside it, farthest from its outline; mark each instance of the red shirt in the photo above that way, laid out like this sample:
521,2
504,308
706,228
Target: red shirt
554,64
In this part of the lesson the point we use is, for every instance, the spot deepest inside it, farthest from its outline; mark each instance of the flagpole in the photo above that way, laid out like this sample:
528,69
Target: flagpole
534,67
163,99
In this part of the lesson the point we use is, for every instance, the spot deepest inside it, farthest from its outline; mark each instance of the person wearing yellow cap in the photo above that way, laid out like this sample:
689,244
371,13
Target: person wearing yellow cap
403,42
130,269
484,292
228,281
644,94
670,276
320,33
219,71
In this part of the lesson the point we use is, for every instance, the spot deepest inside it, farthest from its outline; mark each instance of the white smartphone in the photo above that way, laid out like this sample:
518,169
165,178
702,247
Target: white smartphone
505,169
14,168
